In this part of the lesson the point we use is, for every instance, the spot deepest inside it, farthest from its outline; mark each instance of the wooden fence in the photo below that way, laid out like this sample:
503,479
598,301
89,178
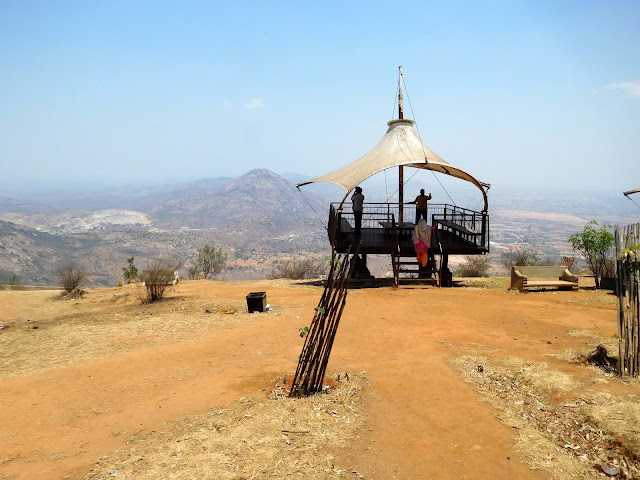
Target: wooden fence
627,270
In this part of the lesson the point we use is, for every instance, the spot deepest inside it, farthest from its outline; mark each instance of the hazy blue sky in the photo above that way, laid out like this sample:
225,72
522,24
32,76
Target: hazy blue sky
533,93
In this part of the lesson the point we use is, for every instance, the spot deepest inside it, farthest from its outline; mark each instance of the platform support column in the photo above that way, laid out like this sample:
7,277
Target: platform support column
445,273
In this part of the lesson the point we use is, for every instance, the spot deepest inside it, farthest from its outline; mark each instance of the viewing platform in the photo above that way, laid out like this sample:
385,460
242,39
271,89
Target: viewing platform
458,231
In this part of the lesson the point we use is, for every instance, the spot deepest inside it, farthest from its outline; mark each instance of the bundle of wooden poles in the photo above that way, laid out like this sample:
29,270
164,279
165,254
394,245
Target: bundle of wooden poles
627,241
314,358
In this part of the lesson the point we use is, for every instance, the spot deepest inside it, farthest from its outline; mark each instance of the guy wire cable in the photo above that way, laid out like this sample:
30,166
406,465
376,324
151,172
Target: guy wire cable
631,199
420,137
313,209
397,190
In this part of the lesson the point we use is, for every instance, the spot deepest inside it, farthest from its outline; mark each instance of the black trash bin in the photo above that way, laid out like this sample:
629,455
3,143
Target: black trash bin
257,302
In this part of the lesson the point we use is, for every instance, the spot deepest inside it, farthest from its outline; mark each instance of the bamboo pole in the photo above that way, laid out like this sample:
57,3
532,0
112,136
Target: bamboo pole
313,361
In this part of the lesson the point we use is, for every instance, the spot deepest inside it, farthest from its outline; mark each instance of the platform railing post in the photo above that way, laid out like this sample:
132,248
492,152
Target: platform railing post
484,229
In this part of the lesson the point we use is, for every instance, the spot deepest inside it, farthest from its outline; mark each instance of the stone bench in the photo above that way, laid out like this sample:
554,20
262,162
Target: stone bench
533,276
164,279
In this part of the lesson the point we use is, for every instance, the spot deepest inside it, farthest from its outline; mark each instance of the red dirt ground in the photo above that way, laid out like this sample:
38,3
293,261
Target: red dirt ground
423,422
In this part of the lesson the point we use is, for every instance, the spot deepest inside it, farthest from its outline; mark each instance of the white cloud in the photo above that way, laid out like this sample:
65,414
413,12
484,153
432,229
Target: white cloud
630,88
255,103
227,104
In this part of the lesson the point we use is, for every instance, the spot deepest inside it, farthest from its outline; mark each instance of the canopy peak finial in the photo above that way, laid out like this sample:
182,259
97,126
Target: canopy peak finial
400,101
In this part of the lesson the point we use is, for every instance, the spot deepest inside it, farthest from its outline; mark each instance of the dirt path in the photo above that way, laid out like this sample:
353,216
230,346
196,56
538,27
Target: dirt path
423,420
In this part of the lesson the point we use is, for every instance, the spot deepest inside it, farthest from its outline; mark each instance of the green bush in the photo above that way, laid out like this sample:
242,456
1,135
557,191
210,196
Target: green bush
595,244
210,260
130,273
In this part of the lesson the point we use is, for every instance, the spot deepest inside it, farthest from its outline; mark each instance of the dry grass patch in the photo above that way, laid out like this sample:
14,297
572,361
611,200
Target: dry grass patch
52,334
493,283
617,414
597,299
260,437
540,376
583,333
575,439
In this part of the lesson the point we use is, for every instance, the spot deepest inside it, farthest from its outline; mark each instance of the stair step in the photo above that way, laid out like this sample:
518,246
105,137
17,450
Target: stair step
423,281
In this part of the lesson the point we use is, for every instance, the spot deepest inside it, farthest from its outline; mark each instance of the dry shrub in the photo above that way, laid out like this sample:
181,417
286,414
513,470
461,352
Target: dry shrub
299,269
571,262
570,440
474,266
600,358
158,278
71,277
262,436
519,255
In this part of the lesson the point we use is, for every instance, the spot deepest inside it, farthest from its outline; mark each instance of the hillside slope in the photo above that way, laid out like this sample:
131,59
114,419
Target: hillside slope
258,200
24,249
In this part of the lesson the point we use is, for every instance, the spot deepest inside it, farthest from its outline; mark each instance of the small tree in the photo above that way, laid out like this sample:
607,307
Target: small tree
71,277
210,260
130,273
193,273
594,244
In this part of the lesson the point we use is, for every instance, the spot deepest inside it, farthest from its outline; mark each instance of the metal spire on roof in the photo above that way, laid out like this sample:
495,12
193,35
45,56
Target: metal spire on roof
400,102
400,168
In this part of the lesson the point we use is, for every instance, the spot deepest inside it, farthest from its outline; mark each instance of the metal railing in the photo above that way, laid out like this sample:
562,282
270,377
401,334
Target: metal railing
470,225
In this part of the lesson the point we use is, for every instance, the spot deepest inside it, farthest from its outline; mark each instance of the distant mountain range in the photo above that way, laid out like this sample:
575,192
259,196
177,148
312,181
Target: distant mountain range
255,218
257,212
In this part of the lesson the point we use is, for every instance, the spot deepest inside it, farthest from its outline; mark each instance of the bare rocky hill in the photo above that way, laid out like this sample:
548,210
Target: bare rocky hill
257,200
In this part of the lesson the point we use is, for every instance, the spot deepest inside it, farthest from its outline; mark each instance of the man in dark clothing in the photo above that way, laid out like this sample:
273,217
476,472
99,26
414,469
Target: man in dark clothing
421,205
358,205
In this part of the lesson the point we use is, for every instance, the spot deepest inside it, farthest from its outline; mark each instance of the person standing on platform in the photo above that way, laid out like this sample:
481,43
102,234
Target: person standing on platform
358,205
421,205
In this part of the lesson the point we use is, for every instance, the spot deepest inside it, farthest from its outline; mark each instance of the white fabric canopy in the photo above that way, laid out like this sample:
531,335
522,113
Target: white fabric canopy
637,190
400,146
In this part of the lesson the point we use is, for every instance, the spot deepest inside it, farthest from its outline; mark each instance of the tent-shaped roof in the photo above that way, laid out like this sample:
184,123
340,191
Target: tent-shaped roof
400,146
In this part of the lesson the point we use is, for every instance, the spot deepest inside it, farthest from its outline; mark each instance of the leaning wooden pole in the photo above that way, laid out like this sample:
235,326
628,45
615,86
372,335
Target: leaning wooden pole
312,364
